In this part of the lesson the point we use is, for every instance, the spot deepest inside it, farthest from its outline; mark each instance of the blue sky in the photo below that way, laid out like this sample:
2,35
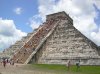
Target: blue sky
97,19
19,17
29,8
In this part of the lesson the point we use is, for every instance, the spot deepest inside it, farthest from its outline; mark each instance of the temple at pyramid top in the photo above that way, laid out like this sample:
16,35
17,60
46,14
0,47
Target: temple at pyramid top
59,15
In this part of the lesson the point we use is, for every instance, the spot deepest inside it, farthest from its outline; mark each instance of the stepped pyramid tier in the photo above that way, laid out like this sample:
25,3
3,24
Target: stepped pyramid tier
63,43
23,54
56,41
9,52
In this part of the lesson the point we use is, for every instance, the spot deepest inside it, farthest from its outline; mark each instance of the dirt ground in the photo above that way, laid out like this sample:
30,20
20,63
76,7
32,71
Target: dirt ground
20,69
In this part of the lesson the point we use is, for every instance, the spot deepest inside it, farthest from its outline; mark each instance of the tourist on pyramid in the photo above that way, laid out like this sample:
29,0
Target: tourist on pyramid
68,65
78,65
7,60
12,62
17,60
4,62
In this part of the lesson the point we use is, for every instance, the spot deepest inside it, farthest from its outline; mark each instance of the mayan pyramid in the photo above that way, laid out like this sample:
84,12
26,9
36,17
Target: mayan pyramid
9,52
56,42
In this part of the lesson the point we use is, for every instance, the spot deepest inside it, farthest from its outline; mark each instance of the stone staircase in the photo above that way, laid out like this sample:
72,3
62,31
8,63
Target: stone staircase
9,52
41,43
23,54
67,43
56,42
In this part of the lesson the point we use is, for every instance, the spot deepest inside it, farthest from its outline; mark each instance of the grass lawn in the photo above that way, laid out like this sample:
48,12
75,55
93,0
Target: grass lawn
62,69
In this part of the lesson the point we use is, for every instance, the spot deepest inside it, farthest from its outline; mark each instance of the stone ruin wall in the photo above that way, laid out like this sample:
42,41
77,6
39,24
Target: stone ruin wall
67,43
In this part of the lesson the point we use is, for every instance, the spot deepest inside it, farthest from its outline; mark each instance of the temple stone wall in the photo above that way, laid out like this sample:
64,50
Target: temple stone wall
60,15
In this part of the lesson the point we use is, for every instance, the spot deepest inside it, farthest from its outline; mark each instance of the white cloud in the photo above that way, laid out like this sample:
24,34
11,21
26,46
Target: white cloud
18,10
96,37
8,33
97,2
81,11
35,21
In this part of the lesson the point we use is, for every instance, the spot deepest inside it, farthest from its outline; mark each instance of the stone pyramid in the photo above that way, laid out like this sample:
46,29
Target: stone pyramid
56,42
9,52
67,43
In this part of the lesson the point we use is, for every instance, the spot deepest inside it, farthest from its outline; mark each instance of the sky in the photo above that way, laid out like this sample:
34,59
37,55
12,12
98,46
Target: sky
19,17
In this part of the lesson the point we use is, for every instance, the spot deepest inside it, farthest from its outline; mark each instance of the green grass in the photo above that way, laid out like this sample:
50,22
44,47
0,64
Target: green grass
50,67
62,69
86,70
